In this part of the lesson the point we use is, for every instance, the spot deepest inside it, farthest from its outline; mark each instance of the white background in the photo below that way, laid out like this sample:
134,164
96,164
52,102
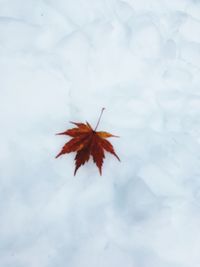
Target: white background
63,61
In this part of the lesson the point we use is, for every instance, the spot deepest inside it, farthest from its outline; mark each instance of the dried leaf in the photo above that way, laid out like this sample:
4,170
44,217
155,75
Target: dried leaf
87,142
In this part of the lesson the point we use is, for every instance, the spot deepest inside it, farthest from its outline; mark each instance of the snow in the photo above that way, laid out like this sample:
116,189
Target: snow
63,61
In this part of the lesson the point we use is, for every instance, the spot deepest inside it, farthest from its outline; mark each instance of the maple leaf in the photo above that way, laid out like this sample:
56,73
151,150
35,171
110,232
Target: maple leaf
87,142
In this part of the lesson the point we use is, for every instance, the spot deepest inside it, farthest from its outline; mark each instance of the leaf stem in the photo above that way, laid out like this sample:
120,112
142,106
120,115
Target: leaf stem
99,119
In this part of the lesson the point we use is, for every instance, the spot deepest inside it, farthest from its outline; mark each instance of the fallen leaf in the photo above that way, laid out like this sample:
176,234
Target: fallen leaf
87,142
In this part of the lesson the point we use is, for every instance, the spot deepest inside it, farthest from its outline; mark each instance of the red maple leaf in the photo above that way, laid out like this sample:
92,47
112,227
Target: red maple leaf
87,142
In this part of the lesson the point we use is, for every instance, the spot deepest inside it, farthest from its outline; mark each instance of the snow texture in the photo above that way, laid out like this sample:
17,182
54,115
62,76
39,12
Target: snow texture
63,61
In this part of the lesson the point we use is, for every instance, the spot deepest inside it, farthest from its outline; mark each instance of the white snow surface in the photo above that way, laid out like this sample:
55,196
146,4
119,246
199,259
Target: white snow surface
63,61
